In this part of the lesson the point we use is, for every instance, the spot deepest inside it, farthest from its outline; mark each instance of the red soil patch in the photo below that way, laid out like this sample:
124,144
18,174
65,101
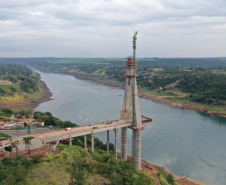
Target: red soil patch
39,152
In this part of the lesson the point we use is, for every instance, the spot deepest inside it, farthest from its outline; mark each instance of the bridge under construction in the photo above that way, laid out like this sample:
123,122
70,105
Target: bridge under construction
130,117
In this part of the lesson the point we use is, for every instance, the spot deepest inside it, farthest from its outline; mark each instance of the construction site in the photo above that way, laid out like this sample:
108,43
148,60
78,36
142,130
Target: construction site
130,117
45,138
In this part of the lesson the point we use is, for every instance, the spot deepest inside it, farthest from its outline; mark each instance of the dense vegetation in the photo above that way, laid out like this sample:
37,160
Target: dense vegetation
166,179
18,84
26,79
6,112
202,85
51,120
39,116
85,168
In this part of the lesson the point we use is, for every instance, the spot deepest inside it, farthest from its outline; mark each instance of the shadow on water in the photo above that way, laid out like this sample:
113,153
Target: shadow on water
215,119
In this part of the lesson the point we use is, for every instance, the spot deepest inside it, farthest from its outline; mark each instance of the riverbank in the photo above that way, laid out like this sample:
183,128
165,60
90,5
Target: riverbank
186,105
43,96
189,106
154,169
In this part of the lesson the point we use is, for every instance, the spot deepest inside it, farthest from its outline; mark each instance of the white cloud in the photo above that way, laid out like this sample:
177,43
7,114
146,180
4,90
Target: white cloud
104,28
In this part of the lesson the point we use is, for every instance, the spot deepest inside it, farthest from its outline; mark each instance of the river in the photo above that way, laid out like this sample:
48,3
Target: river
186,142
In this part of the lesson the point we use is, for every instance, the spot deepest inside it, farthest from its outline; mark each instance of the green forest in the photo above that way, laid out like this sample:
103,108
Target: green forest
19,84
17,74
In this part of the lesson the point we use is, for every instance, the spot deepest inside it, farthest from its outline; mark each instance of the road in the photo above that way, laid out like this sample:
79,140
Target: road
17,133
41,137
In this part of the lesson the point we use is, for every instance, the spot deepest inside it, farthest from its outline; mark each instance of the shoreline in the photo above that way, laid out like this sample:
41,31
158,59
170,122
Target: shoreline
154,169
141,94
45,98
145,95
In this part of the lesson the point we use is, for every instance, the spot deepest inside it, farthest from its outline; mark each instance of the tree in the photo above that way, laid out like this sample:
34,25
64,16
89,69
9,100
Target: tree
170,179
27,142
15,144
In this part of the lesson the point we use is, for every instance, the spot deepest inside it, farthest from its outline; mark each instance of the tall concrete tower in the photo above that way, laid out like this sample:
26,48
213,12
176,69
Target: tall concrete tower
131,99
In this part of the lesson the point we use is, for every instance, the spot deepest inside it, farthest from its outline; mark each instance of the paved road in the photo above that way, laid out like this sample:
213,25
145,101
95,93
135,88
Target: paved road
16,133
43,136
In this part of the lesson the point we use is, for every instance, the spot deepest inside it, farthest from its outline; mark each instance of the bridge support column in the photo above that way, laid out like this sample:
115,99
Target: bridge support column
124,143
137,148
108,142
92,142
44,142
116,130
70,140
85,142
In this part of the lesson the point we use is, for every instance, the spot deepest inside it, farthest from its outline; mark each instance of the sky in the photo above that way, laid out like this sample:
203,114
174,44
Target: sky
104,28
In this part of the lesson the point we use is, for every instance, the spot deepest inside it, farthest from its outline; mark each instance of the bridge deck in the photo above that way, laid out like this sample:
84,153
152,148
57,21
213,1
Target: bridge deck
83,130
75,132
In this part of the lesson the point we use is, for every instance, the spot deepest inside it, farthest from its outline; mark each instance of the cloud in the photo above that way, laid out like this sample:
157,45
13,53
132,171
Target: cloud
104,28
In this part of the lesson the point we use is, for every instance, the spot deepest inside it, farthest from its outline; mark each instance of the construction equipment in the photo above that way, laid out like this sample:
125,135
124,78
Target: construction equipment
27,122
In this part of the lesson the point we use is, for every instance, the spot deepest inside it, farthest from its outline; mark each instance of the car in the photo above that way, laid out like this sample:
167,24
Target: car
67,129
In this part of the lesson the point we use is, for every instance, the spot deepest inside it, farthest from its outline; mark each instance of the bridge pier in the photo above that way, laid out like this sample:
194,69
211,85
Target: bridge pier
70,140
85,142
92,142
44,142
137,148
116,130
108,142
124,143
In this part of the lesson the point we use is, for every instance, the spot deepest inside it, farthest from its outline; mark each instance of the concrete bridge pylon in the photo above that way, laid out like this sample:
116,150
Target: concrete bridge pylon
131,99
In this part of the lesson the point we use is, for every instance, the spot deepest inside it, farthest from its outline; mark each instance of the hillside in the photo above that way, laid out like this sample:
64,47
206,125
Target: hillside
19,85
72,164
